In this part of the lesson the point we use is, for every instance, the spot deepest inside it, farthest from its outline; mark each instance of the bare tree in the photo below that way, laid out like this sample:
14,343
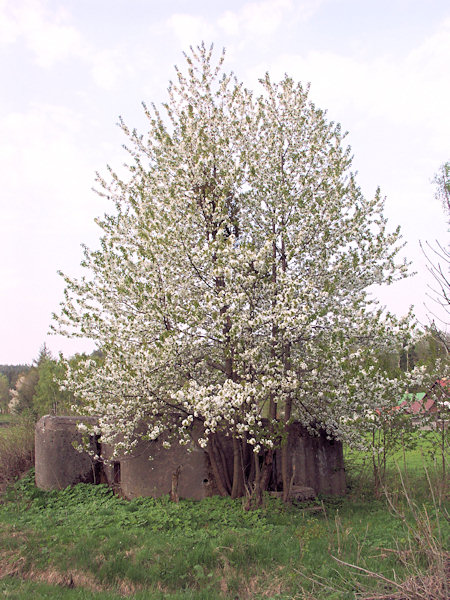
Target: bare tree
438,258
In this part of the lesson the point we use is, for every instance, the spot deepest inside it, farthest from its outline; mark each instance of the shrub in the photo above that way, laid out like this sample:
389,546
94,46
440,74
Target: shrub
16,448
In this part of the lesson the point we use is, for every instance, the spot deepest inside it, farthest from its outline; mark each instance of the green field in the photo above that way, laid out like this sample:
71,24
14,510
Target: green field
84,542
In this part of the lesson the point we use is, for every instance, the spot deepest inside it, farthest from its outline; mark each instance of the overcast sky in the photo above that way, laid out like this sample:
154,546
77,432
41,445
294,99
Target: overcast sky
70,68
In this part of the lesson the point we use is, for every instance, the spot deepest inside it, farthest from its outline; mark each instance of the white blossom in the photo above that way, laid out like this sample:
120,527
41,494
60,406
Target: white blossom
231,279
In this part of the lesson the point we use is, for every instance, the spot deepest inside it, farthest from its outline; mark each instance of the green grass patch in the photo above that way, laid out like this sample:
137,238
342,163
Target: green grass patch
424,453
84,542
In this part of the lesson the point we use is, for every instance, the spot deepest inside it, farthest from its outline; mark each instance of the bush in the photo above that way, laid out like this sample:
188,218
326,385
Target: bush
16,448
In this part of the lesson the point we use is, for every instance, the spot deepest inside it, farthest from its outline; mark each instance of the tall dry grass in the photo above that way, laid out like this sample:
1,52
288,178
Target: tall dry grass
424,553
16,448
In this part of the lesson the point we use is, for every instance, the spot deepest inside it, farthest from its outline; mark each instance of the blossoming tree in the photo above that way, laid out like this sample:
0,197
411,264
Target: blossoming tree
230,286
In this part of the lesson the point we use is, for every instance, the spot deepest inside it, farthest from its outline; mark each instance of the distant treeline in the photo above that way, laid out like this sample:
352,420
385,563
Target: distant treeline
12,372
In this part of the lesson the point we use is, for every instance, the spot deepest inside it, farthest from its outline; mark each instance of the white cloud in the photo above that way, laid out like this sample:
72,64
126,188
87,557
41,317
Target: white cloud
43,184
9,27
47,34
190,29
403,90
51,38
107,68
230,22
48,159
48,166
264,18
253,20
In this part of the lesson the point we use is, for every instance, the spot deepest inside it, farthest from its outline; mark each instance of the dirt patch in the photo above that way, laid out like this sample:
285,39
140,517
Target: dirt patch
11,566
71,580
263,585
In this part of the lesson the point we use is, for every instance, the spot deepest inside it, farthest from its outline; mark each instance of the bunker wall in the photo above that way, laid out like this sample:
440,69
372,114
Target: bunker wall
58,463
315,462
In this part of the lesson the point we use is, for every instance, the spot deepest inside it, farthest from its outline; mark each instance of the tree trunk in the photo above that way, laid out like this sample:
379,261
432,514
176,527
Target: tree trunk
238,476
285,454
262,479
217,471
174,491
443,426
223,461
266,471
255,498
376,466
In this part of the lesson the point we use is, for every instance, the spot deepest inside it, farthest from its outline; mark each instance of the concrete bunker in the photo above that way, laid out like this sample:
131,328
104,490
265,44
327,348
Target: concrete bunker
58,463
152,470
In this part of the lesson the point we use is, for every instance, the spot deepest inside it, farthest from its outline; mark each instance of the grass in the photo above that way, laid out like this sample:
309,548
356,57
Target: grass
16,589
84,542
425,452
